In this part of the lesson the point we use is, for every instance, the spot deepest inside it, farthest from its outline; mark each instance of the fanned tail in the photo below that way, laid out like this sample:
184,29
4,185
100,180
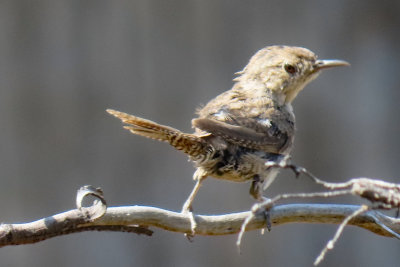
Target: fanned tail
190,144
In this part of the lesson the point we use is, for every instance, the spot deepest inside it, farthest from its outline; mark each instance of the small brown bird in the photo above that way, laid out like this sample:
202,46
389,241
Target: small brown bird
242,129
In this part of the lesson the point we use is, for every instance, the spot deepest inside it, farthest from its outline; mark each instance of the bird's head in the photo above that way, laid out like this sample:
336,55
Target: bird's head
285,70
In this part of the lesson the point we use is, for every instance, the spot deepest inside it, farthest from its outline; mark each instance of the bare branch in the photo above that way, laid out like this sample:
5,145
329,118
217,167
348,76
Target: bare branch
60,224
331,243
137,218
381,194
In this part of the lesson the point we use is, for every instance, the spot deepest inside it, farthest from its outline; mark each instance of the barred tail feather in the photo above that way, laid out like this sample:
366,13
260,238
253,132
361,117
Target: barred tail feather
188,143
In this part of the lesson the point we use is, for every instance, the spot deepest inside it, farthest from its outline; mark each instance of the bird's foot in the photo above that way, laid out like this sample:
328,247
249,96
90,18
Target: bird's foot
187,211
264,206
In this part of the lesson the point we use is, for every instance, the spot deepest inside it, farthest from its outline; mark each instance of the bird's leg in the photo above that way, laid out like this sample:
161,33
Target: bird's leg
256,188
256,192
199,176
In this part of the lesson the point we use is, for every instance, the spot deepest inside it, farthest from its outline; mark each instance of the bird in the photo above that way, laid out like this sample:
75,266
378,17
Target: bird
240,131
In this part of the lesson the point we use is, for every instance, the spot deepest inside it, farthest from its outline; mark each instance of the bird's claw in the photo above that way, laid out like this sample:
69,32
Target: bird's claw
264,207
187,211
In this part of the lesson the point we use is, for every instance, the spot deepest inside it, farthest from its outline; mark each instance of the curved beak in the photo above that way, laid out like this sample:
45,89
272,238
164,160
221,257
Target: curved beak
329,63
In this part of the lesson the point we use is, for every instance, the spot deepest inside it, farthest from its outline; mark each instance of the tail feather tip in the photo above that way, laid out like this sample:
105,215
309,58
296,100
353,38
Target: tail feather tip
112,111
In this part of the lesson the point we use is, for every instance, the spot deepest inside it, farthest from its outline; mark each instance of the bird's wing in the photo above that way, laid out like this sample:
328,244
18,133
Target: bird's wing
269,140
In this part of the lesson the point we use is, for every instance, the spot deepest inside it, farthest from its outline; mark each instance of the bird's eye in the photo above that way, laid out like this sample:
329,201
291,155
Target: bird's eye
290,68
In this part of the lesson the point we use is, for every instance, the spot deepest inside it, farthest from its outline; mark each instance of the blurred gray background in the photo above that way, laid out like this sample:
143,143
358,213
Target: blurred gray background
63,62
